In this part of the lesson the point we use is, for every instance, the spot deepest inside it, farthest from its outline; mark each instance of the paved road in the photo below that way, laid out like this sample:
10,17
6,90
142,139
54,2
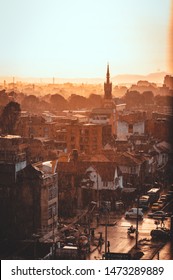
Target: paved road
120,242
166,253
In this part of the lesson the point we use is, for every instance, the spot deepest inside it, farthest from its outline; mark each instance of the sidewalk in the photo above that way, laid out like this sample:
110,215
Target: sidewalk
146,249
166,252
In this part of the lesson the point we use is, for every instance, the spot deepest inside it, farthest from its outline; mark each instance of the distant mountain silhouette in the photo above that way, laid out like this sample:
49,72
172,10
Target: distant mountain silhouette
133,79
118,79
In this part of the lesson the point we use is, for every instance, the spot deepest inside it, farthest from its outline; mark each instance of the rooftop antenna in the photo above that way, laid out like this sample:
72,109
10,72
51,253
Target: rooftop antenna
5,84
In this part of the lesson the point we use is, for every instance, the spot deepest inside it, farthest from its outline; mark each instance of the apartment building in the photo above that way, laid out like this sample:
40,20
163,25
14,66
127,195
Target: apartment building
87,138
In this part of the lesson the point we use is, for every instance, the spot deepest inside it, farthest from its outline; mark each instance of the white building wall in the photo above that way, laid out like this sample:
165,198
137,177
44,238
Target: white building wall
99,120
122,130
139,128
20,165
98,184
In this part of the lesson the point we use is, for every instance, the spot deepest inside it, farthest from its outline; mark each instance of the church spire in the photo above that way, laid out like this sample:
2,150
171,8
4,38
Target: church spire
108,85
108,75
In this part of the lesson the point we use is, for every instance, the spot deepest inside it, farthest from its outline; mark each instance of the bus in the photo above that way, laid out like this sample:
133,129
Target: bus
154,194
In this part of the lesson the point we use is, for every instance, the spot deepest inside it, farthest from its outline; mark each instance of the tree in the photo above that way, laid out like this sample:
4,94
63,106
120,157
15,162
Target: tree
148,97
30,103
94,100
3,98
77,102
9,117
163,100
133,99
58,102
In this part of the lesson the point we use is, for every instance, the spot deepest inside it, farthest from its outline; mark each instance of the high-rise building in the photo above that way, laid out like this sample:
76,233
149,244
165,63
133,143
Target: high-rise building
168,81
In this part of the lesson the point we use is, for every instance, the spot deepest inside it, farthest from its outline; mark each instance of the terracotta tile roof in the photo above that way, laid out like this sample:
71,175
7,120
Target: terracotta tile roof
132,118
125,158
105,169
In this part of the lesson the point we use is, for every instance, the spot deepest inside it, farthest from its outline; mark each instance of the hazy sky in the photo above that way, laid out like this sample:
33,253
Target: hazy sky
76,38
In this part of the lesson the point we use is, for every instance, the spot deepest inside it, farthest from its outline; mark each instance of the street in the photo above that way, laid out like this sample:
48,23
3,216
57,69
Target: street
120,242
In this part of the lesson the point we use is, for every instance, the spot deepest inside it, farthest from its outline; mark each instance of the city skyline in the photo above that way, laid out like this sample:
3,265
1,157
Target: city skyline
76,39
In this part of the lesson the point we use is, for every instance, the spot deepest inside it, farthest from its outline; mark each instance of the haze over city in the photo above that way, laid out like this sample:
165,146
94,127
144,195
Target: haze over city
76,39
86,117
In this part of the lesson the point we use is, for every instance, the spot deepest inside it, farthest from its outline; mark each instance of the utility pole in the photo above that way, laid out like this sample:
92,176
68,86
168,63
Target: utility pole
106,236
137,221
53,233
98,200
106,230
89,232
36,239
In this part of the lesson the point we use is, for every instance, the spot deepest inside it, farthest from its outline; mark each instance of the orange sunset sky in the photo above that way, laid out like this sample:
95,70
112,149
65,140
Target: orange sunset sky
55,38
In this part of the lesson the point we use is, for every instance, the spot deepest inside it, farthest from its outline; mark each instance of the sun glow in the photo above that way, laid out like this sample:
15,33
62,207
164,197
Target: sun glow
77,38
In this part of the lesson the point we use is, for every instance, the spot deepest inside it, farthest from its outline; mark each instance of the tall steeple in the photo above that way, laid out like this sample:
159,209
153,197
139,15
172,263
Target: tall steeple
108,85
107,74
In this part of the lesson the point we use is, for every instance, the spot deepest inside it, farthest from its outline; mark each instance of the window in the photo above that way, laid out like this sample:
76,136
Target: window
81,147
133,169
94,139
82,131
94,132
94,147
49,212
105,183
130,128
52,211
52,192
72,147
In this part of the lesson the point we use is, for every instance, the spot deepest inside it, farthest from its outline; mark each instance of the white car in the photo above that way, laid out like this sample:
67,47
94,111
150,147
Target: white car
158,214
132,213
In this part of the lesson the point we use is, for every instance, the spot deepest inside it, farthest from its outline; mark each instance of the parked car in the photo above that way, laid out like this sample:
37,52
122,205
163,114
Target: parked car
132,213
144,202
169,197
160,234
161,203
170,193
119,205
158,214
155,207
163,198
